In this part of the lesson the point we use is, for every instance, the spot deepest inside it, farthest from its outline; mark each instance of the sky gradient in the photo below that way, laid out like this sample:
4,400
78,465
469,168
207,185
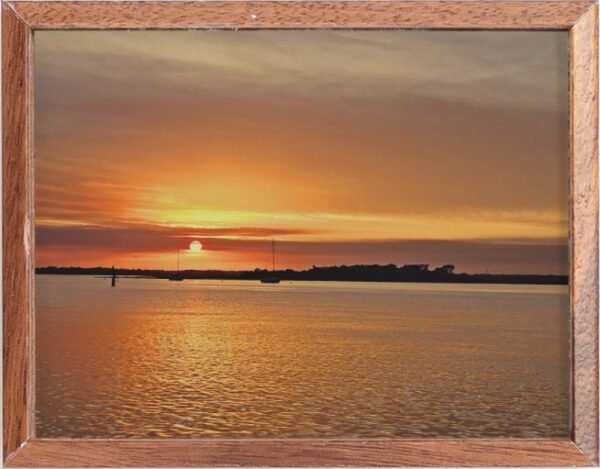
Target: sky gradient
346,147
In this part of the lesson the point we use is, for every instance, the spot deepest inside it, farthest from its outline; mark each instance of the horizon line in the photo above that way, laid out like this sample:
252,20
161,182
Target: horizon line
308,269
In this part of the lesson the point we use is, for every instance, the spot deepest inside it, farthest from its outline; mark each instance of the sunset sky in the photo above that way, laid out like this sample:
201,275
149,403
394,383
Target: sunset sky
345,147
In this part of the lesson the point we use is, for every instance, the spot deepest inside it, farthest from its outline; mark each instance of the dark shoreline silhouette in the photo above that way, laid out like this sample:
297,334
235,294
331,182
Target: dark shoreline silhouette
352,273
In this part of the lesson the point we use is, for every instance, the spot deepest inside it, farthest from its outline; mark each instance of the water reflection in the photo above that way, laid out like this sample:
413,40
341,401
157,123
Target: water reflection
152,358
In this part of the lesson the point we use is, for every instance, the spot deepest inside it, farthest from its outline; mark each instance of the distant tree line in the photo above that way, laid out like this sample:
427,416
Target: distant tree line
348,273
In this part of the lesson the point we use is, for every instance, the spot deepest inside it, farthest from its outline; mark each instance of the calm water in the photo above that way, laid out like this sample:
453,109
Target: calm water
152,358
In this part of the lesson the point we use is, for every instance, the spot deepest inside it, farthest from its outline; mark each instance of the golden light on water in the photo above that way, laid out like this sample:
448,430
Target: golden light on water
238,359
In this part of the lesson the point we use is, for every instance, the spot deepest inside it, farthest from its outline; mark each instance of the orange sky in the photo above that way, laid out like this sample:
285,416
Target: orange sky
346,147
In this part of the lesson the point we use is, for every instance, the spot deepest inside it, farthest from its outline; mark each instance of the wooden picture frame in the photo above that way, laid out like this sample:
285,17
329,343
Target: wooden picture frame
20,19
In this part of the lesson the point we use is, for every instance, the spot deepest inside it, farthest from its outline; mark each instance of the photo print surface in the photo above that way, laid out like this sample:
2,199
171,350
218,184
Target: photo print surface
301,234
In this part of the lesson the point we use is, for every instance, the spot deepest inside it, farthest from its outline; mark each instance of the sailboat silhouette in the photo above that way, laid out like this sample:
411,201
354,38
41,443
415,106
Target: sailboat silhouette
178,277
271,279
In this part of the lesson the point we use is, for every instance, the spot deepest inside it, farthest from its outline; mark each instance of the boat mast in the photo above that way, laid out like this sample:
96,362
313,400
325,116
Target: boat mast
273,250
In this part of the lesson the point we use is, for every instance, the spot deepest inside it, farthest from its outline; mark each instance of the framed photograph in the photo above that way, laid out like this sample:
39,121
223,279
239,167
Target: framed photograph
300,233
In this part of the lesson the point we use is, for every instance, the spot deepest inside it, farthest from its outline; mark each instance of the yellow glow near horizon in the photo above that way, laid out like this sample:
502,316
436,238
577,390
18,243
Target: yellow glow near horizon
316,226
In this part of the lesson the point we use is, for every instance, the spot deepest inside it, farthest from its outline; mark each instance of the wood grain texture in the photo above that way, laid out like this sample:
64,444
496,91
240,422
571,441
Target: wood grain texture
18,231
301,14
584,231
17,274
278,453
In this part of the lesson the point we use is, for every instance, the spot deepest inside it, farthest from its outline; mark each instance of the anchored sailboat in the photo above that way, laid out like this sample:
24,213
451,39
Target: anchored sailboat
178,277
271,279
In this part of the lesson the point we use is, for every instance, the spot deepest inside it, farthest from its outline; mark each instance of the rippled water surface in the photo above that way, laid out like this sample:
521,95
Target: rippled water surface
152,358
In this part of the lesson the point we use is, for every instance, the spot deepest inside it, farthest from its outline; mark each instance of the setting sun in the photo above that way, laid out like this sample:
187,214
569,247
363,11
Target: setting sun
196,246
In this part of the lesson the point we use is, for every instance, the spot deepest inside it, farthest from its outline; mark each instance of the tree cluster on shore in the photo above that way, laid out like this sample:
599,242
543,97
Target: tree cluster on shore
353,273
